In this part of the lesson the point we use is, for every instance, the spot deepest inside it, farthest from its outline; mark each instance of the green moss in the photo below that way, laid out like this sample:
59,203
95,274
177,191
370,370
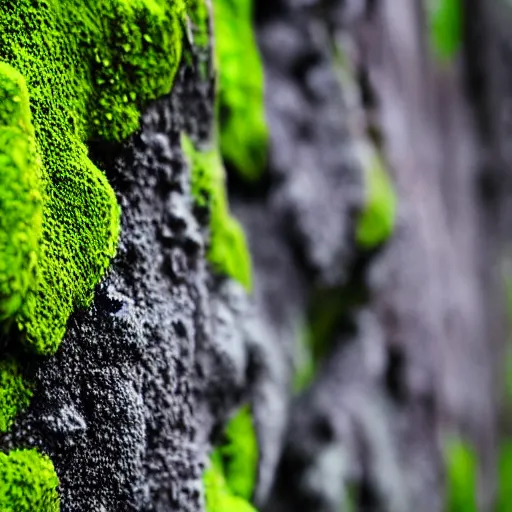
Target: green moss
504,501
377,220
219,497
461,476
15,394
197,11
89,67
324,316
229,480
445,27
20,197
28,482
227,250
244,135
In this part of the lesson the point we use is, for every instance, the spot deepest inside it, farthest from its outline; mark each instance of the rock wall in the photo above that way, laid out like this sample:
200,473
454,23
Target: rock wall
305,293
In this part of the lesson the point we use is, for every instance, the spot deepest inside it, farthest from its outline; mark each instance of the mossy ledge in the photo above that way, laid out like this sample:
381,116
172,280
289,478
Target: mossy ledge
89,67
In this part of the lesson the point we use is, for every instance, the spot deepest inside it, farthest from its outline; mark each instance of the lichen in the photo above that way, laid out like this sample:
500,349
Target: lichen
227,248
243,129
89,67
230,478
28,482
377,220
15,393
445,27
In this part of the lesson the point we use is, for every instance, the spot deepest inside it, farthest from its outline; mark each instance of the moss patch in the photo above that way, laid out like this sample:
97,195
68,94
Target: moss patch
229,480
15,393
445,27
243,130
20,197
227,250
377,220
28,482
461,475
89,67
199,16
219,497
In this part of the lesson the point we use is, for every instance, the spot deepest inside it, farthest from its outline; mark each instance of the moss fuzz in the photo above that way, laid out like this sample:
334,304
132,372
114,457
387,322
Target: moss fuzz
227,250
28,482
229,480
15,393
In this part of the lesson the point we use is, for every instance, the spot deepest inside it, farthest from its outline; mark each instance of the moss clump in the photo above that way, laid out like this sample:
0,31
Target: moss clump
20,197
504,501
227,250
28,482
229,480
377,220
15,394
89,67
445,27
219,497
239,454
243,135
461,475
197,11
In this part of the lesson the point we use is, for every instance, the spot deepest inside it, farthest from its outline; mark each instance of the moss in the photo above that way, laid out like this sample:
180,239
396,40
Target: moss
445,27
504,501
461,476
89,67
20,197
15,393
377,220
28,482
227,249
243,135
229,480
219,498
197,11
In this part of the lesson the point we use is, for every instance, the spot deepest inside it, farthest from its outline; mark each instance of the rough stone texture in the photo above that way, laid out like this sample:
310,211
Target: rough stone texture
145,380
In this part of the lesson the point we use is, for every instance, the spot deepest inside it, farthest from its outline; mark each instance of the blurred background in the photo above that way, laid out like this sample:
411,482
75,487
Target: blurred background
390,173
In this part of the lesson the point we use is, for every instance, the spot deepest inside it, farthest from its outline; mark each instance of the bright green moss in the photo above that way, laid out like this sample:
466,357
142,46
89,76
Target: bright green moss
197,11
20,197
229,480
461,476
227,250
244,135
89,66
504,501
445,27
15,394
219,497
28,482
239,454
377,221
